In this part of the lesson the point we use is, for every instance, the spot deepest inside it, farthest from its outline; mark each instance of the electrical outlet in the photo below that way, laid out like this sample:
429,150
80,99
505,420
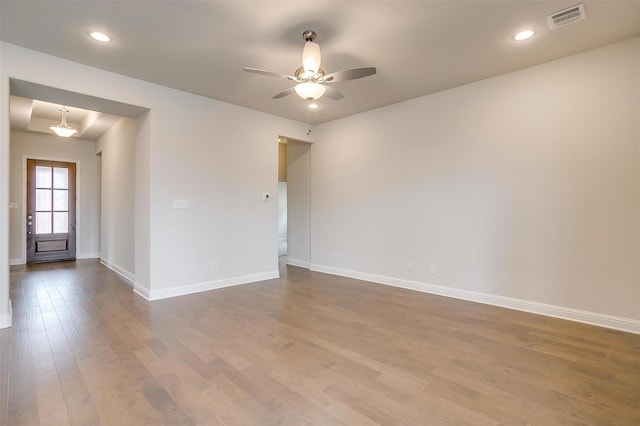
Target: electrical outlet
410,266
335,255
214,266
434,269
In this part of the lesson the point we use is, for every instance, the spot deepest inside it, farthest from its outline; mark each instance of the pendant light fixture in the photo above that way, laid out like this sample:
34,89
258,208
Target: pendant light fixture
63,129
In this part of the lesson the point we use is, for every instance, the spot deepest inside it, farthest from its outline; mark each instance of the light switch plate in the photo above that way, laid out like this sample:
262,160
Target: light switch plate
180,204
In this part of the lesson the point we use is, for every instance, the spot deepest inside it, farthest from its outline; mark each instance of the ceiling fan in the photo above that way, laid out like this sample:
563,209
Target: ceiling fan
310,78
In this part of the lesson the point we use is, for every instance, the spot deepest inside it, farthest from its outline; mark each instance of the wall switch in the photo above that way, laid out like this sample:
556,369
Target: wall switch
180,204
434,269
13,205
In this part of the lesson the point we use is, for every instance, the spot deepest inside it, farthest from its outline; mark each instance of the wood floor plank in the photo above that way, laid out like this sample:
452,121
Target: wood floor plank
307,348
104,393
198,405
80,406
232,404
311,386
48,391
4,376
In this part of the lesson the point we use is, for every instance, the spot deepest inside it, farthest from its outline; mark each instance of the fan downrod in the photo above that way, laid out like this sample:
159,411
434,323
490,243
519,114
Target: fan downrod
309,35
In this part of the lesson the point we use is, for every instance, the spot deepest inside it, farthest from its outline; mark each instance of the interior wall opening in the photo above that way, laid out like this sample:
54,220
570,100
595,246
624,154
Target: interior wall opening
99,122
294,201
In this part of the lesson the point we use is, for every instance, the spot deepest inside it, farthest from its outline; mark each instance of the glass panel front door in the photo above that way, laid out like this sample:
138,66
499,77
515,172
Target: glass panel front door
51,211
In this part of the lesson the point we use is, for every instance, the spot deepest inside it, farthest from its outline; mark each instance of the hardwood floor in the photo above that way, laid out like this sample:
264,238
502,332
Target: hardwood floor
307,348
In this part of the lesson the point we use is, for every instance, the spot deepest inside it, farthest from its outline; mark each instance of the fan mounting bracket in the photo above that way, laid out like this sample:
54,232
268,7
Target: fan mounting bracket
309,35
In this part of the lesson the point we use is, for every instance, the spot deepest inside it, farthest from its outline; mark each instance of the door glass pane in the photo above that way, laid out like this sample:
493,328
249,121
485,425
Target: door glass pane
43,177
60,199
43,200
60,222
60,178
43,223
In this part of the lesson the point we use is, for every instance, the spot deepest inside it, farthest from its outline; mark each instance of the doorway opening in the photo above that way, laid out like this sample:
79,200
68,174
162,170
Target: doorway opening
282,198
95,228
294,201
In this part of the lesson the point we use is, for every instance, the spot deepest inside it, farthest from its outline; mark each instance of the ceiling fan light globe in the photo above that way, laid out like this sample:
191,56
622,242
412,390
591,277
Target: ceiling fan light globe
311,57
310,91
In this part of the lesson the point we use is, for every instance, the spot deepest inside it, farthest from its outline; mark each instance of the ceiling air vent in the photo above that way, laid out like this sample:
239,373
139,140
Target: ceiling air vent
567,16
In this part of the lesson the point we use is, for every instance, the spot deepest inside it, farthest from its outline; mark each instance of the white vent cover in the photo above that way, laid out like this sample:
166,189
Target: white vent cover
567,16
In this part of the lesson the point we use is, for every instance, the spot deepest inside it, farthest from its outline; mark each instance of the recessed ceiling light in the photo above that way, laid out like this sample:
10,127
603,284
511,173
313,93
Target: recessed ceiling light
96,35
313,106
523,35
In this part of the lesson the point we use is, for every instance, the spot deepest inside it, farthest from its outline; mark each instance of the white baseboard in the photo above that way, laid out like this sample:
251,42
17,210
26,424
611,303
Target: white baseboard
300,263
593,318
94,255
205,286
5,320
18,261
141,290
128,275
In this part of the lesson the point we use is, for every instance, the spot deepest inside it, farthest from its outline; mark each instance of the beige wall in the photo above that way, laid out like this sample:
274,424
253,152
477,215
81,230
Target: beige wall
282,162
117,148
49,147
282,218
298,202
523,189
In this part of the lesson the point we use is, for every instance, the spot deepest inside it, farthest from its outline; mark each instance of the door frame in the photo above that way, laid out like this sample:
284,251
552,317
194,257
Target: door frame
24,195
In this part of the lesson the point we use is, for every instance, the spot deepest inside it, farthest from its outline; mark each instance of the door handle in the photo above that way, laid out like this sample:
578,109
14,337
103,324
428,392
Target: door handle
29,223
29,217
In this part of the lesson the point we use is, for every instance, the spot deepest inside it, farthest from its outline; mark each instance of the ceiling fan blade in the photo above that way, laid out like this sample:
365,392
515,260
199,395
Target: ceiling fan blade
269,73
284,93
350,74
332,93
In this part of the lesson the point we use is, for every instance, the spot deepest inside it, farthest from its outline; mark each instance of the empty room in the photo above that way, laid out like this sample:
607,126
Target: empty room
328,213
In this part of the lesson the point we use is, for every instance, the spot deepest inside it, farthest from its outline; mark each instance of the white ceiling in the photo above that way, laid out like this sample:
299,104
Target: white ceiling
419,47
